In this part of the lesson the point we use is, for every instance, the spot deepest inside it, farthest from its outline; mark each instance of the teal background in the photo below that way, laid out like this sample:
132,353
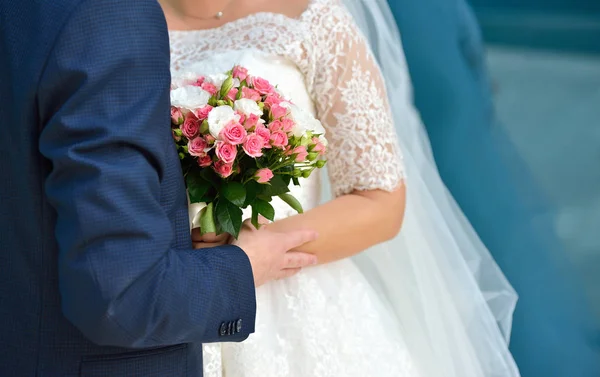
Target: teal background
568,25
542,59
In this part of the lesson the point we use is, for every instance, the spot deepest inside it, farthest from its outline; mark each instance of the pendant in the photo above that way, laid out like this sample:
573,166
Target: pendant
219,15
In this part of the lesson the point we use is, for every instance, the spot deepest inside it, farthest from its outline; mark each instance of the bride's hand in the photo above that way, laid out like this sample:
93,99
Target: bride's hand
212,240
208,240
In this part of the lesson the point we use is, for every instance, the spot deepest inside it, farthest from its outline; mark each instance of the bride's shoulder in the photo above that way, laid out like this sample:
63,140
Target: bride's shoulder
333,11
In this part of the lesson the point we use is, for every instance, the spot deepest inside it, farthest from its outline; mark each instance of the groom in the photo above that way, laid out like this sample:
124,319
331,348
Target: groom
95,251
551,337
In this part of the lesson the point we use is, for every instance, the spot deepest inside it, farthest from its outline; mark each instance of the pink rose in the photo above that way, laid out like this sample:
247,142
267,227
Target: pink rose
232,93
254,145
301,153
190,126
263,132
279,139
318,146
240,73
251,121
242,116
261,85
203,112
273,99
209,88
263,175
204,161
197,146
233,133
226,152
278,111
287,124
250,94
200,81
275,125
223,169
176,116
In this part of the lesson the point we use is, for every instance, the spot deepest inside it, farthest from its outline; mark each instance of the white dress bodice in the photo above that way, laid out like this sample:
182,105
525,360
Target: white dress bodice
325,321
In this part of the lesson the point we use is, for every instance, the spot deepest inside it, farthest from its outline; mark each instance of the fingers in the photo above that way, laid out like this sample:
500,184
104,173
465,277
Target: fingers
287,273
295,259
248,225
297,238
212,237
205,245
197,236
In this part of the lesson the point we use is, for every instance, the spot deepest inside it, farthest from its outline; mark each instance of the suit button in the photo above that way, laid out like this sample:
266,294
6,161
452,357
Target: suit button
230,328
223,329
238,326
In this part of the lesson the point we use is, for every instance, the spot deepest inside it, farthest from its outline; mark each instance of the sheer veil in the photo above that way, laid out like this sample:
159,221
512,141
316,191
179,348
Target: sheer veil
452,302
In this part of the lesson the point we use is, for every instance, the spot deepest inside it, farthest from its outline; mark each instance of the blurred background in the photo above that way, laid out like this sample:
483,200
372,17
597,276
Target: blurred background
544,60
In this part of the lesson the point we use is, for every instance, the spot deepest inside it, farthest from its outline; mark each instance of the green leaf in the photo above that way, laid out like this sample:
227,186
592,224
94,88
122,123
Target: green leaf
255,218
197,187
276,187
265,198
226,86
211,177
234,192
229,217
253,188
207,219
292,202
263,208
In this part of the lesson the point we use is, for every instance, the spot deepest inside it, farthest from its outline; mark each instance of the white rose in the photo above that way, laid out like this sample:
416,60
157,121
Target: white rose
184,79
189,97
219,117
247,107
282,94
217,80
303,121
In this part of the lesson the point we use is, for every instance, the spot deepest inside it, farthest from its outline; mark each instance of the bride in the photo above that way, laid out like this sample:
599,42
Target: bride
426,302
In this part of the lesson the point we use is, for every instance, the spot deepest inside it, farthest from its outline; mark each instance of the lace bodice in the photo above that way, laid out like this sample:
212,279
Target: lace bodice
337,74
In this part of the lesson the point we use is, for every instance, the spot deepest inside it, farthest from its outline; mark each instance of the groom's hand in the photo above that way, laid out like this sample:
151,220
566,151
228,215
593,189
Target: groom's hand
272,254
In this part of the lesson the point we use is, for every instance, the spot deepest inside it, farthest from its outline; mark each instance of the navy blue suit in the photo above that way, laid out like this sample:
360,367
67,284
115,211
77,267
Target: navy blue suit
552,334
97,273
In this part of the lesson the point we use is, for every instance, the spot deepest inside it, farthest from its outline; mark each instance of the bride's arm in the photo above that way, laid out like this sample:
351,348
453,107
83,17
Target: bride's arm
364,162
350,223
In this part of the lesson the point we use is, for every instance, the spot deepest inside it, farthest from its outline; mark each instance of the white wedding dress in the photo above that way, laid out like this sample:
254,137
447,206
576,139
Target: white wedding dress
329,320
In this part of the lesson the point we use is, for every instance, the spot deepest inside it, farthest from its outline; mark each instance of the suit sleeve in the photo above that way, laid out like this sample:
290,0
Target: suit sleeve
104,106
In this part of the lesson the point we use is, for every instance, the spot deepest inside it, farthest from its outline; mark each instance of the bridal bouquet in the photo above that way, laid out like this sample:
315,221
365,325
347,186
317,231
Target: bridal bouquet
241,143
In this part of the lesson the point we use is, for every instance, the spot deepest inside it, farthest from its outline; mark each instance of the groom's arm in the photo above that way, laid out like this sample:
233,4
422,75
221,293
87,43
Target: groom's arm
104,103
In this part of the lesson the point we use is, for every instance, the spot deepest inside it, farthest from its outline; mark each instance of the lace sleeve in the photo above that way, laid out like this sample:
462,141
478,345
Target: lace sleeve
352,104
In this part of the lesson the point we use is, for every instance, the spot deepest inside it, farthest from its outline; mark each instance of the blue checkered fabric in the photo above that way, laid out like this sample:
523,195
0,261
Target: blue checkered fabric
97,273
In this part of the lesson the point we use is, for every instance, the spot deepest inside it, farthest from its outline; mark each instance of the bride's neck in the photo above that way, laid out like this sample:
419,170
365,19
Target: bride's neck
195,14
200,14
